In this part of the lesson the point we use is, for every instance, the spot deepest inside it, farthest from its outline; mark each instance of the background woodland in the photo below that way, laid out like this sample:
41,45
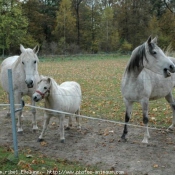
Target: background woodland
84,26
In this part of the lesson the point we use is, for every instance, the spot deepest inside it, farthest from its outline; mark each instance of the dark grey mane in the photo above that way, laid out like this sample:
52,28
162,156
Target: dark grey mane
136,60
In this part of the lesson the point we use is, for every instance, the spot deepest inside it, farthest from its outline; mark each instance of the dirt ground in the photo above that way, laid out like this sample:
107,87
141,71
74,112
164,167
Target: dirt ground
98,143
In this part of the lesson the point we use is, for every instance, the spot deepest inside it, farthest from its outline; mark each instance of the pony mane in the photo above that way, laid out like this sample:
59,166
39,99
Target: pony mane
136,60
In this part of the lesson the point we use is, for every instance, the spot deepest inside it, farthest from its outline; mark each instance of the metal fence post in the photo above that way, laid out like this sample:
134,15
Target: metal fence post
12,109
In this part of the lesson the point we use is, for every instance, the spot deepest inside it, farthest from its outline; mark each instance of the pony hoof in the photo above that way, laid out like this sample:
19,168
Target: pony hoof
35,128
40,140
63,140
79,127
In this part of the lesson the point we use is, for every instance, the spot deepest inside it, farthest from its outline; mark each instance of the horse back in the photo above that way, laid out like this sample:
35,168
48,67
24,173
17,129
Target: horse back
9,61
71,86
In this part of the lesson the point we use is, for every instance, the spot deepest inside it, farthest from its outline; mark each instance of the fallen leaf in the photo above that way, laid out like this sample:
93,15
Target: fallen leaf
29,156
43,143
155,166
155,109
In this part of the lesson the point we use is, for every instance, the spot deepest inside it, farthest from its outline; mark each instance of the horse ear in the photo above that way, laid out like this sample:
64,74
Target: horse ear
154,40
149,40
49,80
22,49
36,49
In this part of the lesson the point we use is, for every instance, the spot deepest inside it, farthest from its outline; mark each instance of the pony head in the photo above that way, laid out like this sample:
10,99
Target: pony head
43,89
29,61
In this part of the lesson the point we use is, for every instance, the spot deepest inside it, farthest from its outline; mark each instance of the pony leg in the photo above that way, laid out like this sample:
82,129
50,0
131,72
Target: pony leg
46,122
69,124
145,120
61,118
70,121
170,100
34,123
78,119
128,105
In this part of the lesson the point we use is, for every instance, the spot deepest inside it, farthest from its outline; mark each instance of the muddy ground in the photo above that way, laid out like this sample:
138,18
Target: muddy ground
98,143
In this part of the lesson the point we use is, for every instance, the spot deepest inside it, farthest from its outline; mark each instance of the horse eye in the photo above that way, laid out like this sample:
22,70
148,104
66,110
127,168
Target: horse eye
45,87
154,52
22,62
35,62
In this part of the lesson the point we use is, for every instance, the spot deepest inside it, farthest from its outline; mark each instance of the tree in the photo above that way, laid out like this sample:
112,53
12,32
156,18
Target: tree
13,25
76,5
106,28
65,22
132,21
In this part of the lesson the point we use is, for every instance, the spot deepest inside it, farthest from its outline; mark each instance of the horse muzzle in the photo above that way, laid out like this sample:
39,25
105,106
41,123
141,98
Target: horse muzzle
29,83
35,98
168,71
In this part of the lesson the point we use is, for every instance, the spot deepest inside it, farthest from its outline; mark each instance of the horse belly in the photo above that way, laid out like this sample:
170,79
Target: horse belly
161,90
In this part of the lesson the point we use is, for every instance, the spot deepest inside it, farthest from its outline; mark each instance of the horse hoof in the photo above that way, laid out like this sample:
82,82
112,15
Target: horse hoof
145,141
67,128
8,114
169,130
20,130
123,138
63,140
40,140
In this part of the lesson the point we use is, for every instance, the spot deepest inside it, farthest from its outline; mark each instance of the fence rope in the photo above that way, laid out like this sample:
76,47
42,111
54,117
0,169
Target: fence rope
88,117
94,118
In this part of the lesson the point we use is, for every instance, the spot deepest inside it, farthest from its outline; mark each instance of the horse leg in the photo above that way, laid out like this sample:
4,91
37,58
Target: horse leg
78,118
46,122
170,100
8,113
17,99
61,118
128,105
144,104
34,123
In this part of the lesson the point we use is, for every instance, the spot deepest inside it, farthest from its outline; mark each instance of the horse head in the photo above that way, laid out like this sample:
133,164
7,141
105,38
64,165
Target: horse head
156,60
29,61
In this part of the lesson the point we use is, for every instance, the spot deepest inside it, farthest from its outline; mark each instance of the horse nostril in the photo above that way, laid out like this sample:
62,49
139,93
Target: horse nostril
171,67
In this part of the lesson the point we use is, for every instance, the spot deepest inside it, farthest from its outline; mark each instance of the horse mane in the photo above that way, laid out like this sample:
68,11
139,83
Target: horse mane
136,60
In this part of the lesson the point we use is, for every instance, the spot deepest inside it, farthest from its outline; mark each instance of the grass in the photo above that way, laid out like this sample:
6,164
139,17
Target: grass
30,162
100,80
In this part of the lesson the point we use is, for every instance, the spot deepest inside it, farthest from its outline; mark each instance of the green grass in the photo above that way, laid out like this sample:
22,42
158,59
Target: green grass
29,161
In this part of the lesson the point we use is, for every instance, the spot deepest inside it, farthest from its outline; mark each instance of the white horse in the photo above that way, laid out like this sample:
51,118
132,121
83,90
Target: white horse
65,97
147,77
25,76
